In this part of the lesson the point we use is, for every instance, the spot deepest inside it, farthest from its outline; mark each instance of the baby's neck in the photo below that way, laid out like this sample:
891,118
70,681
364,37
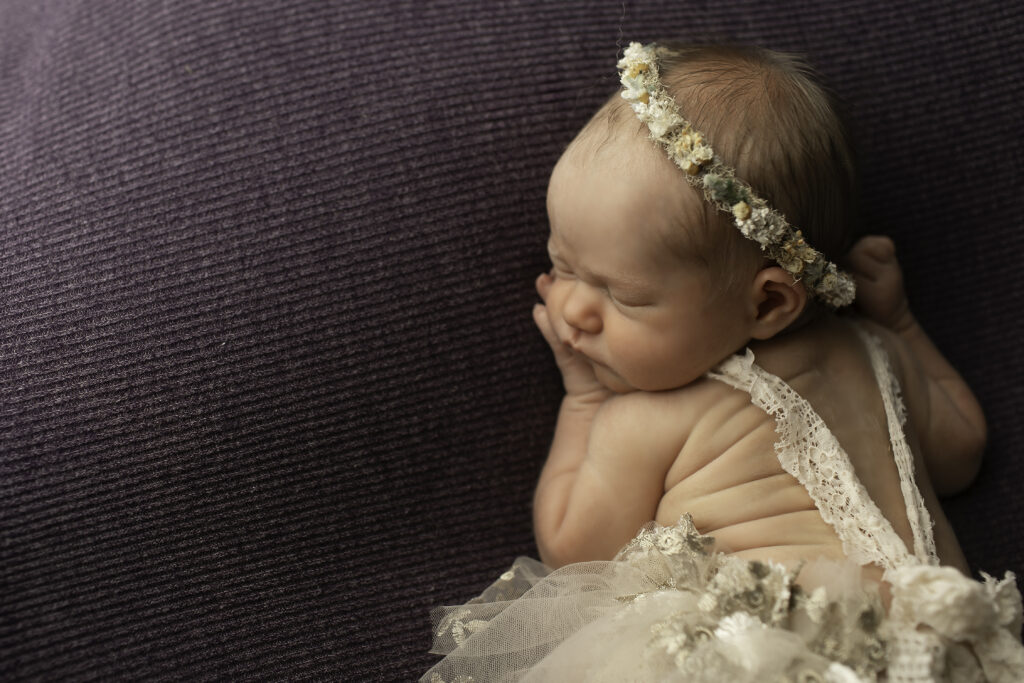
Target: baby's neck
800,345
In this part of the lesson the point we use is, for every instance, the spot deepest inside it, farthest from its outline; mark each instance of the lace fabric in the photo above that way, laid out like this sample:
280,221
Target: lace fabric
896,415
809,451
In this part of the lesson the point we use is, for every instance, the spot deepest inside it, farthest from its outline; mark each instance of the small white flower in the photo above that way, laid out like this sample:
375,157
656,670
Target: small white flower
736,624
758,226
669,543
839,673
668,637
944,599
1006,598
633,89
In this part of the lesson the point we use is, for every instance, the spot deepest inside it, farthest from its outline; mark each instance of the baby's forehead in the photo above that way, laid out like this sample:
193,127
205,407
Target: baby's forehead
608,129
615,146
630,178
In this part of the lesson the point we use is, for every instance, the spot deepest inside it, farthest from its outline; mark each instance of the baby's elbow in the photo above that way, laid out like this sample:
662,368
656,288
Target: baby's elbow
546,549
551,557
546,527
558,548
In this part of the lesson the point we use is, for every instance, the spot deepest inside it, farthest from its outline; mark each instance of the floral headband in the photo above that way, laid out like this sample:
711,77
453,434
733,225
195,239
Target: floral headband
687,148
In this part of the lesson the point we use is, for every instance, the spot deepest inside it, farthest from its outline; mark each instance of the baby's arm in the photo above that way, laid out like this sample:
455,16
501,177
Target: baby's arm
598,486
951,423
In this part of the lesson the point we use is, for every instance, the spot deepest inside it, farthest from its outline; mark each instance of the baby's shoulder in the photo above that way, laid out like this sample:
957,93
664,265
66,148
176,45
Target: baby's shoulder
897,355
911,379
662,416
639,406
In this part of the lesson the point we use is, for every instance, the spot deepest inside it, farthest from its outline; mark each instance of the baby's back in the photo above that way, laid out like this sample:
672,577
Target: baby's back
727,474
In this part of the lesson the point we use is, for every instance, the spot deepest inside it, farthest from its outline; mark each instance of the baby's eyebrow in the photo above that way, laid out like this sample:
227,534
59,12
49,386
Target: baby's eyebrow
621,281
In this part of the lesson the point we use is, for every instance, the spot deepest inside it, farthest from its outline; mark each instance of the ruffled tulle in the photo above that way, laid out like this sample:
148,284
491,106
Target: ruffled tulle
665,609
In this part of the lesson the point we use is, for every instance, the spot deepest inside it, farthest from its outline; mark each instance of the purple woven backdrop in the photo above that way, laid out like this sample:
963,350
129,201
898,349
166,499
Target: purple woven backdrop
269,389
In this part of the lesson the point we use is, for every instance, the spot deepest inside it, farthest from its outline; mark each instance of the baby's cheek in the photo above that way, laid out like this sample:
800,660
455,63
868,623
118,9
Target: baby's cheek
629,343
633,339
653,357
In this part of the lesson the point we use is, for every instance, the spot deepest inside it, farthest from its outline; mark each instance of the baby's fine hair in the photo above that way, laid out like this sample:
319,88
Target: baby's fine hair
768,115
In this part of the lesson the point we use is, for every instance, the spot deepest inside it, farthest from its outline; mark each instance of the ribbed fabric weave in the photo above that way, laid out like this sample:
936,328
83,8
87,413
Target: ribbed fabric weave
269,388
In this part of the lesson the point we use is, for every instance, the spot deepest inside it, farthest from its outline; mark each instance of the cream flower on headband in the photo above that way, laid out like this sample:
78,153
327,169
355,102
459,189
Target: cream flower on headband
688,149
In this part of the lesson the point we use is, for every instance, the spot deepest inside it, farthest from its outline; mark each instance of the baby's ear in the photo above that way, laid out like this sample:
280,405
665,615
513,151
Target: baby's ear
779,300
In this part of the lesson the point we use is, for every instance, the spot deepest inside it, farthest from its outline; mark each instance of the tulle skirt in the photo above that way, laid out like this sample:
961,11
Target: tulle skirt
666,609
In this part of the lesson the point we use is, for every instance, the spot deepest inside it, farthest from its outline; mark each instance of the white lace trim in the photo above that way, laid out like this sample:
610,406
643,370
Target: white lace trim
896,415
809,451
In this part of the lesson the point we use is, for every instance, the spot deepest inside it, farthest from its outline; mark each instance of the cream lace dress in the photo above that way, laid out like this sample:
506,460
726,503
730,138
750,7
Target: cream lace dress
667,609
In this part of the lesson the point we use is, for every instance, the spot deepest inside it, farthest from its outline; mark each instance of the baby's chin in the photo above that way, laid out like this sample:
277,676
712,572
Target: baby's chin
610,380
616,383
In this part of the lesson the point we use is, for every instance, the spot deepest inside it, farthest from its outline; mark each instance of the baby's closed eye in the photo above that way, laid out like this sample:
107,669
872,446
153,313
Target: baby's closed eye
628,297
562,271
558,266
628,301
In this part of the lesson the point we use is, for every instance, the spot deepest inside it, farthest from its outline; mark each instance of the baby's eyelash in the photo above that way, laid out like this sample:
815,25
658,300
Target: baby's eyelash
625,302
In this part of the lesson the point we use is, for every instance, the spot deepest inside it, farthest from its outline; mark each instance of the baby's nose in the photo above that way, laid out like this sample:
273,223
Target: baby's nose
582,309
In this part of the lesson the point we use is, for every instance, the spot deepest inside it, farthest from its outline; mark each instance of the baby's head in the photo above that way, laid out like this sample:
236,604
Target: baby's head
766,116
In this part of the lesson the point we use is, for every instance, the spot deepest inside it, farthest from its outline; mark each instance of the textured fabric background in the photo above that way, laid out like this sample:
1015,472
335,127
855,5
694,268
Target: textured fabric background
269,389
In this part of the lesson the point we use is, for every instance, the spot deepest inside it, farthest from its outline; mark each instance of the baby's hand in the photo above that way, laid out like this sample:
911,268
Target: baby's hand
577,374
880,294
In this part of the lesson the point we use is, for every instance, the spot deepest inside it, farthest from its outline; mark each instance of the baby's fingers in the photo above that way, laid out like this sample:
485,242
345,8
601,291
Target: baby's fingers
543,322
543,285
